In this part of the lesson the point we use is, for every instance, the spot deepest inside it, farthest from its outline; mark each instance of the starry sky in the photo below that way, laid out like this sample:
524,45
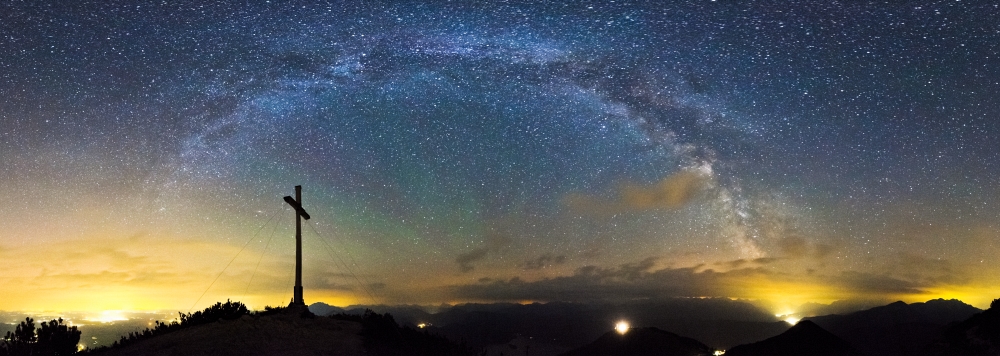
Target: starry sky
779,152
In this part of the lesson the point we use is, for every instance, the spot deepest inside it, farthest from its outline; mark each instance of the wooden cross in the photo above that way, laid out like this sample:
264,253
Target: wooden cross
299,213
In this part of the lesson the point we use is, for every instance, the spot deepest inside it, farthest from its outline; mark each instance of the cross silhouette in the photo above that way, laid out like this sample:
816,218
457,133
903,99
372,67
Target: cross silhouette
299,214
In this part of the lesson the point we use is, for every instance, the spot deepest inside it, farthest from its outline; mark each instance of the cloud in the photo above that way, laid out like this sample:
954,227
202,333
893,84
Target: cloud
465,260
760,279
494,244
327,282
672,192
543,261
74,280
628,281
335,286
862,283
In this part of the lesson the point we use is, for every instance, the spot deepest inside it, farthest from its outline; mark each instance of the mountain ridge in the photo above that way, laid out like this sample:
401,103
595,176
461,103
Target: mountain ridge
898,328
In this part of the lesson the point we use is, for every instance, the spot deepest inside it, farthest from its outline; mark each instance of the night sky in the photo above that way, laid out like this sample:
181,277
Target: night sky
780,152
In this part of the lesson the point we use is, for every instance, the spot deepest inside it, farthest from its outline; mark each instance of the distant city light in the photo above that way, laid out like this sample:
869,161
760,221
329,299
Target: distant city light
422,325
719,352
108,316
621,327
789,318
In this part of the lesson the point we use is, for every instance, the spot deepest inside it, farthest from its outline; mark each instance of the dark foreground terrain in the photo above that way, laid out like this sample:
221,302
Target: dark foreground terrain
284,331
275,334
937,327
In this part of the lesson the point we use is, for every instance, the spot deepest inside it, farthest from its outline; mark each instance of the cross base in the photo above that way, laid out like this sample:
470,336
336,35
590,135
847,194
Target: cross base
297,298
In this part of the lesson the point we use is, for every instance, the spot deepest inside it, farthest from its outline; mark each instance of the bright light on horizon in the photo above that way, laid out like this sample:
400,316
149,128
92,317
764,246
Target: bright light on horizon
622,327
108,316
790,318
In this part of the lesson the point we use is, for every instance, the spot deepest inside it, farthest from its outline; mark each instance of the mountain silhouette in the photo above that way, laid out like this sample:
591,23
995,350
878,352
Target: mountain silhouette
896,329
323,309
717,322
979,335
642,342
804,339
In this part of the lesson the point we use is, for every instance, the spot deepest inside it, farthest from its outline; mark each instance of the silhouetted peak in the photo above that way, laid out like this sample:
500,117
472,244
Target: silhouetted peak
641,342
942,300
944,304
804,339
808,330
805,326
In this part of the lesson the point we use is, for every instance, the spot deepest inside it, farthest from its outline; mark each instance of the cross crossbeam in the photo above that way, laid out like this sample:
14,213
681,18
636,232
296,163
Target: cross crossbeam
298,208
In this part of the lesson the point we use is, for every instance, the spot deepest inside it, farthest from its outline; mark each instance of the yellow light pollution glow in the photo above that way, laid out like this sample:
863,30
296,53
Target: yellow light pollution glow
156,272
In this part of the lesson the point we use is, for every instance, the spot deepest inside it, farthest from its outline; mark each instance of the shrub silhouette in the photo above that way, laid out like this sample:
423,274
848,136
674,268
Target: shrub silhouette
53,339
226,311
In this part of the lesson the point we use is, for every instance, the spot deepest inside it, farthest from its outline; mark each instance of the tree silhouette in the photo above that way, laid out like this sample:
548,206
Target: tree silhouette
58,339
53,339
19,342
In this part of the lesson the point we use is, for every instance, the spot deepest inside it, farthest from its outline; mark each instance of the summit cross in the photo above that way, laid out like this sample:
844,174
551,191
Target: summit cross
299,214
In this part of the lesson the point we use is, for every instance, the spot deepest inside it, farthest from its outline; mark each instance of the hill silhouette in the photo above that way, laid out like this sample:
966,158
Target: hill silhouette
896,329
323,309
642,342
804,339
979,335
282,331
